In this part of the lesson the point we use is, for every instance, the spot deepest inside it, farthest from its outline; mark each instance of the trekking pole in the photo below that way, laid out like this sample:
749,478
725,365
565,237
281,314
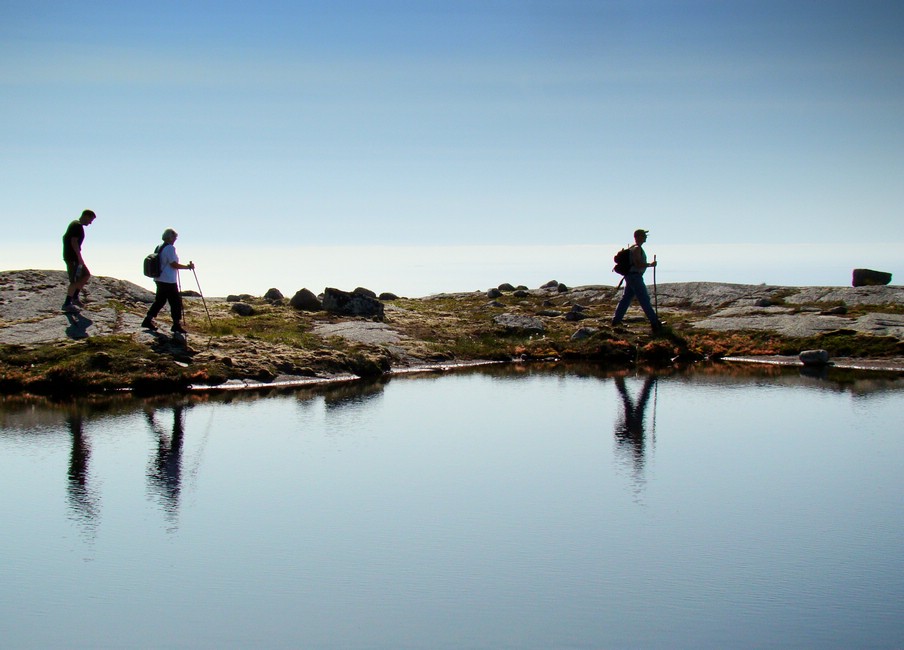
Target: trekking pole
655,292
209,322
183,322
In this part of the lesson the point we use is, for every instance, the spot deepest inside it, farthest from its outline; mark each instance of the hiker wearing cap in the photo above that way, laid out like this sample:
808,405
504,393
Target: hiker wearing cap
634,284
168,284
75,264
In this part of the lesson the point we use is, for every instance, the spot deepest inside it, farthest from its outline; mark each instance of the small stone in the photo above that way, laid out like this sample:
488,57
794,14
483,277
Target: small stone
814,357
583,333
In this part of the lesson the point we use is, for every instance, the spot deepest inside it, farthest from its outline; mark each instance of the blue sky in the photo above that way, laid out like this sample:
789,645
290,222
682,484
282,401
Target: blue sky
454,122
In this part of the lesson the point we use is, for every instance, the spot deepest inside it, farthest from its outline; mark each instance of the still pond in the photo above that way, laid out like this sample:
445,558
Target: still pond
505,507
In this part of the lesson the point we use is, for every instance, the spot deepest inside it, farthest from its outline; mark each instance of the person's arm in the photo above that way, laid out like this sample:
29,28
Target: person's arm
637,259
178,266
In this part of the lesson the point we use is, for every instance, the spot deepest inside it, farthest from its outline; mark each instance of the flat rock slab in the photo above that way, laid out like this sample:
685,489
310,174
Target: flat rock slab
802,324
718,294
368,332
30,304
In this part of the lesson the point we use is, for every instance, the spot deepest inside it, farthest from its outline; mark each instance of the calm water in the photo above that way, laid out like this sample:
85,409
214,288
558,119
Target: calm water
541,508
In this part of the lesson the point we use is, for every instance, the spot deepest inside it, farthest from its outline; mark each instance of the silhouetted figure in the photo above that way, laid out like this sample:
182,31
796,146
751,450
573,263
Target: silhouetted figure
634,284
629,428
165,469
168,284
76,268
82,499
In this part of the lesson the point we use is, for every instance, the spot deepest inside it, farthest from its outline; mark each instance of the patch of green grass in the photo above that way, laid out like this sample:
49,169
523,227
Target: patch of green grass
483,346
273,326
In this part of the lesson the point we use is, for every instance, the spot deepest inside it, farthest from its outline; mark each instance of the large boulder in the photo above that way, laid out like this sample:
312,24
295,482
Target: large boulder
243,309
273,295
305,300
868,278
344,303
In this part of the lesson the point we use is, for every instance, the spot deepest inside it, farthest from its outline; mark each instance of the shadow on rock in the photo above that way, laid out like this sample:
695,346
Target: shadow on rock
78,326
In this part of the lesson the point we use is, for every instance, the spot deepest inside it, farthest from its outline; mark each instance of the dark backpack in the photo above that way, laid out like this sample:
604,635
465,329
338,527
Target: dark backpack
622,261
152,263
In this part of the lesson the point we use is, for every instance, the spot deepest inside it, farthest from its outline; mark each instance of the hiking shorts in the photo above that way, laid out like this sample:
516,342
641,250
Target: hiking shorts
75,271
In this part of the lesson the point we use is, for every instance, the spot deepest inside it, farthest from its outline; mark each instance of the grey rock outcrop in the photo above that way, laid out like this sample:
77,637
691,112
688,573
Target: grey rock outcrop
344,303
514,323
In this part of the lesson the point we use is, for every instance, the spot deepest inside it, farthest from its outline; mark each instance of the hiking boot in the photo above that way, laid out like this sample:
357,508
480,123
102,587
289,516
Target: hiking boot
177,329
148,324
70,308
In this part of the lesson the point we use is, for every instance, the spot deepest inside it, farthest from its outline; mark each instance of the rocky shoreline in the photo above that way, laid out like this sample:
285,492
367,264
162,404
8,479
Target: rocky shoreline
243,342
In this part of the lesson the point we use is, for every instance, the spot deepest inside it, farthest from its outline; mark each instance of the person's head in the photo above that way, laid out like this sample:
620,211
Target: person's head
87,217
169,235
640,235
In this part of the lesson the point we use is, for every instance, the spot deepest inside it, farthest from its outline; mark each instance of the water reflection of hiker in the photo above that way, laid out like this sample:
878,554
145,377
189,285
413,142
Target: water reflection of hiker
82,498
165,469
168,284
634,284
629,428
75,265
